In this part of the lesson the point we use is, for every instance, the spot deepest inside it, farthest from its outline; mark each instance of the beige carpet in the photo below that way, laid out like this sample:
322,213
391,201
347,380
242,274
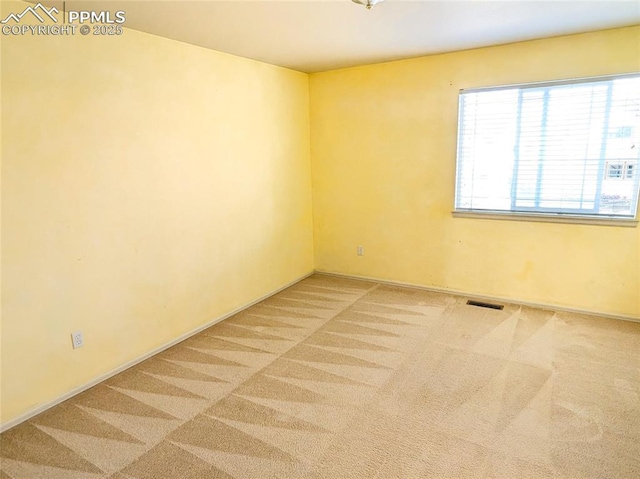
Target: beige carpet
334,378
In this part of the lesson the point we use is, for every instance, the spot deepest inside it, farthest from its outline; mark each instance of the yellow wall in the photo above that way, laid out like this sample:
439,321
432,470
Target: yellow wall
148,187
383,148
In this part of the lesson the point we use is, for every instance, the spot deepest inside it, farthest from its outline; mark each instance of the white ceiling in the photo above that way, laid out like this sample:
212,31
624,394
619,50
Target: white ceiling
319,35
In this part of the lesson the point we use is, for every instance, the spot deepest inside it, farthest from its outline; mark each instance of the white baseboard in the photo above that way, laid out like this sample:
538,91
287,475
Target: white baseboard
43,407
457,292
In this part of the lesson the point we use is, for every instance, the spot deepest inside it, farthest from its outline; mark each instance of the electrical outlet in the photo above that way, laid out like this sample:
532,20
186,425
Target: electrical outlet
360,250
77,339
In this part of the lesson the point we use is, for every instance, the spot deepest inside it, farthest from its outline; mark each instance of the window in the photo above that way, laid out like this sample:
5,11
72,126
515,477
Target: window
614,170
568,148
620,170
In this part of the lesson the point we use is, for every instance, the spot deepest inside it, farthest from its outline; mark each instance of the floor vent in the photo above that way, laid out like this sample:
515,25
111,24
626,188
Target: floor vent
485,305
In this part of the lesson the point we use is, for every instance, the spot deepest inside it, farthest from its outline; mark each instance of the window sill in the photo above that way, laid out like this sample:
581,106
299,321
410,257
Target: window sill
572,219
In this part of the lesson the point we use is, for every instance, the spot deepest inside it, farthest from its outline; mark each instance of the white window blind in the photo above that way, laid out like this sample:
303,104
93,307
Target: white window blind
562,148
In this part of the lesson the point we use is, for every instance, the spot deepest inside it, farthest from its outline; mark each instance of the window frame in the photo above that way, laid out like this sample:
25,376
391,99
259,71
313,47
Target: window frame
537,214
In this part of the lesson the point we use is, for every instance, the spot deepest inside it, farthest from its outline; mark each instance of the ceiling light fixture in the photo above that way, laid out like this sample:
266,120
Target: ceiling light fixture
367,3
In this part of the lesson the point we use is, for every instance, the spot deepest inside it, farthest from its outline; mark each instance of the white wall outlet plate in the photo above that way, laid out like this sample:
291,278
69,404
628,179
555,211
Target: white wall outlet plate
77,339
360,250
